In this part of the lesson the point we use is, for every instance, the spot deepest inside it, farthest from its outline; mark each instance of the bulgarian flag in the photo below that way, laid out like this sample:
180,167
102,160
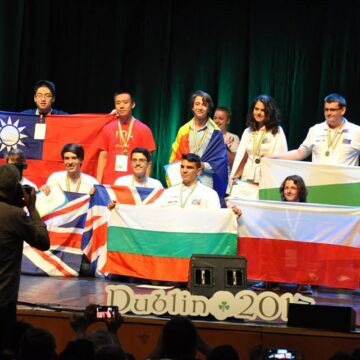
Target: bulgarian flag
98,216
157,243
300,243
326,184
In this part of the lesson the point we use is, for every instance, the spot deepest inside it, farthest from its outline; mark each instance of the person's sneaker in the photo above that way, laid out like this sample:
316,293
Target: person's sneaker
265,285
305,289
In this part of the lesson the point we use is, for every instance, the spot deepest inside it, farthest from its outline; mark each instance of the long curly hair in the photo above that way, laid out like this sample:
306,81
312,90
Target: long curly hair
272,114
299,182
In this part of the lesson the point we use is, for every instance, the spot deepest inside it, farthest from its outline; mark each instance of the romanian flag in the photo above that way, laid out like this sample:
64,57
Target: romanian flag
157,243
44,156
215,154
326,184
300,243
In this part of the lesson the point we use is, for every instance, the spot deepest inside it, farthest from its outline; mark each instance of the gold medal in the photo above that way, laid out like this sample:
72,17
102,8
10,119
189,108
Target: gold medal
327,153
257,161
124,136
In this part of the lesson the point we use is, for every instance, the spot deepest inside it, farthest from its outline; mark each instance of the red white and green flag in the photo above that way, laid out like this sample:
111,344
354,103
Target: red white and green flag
157,243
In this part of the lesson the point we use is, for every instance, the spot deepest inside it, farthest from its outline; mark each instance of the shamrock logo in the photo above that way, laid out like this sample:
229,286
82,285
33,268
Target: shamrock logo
223,306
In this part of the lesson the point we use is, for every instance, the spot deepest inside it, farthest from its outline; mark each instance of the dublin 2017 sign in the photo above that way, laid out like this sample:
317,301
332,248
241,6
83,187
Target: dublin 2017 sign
246,304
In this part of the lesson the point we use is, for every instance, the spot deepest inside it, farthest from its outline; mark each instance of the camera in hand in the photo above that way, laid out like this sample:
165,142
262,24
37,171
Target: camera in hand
107,312
27,188
19,196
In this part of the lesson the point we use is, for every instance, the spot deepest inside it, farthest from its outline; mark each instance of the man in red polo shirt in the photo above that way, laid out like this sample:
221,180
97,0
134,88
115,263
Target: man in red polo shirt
119,138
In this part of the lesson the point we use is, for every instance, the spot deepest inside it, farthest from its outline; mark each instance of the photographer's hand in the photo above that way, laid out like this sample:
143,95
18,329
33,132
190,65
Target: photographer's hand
29,197
113,324
80,323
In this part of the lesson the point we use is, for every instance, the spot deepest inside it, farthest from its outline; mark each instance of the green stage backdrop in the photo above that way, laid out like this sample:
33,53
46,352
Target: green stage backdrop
296,51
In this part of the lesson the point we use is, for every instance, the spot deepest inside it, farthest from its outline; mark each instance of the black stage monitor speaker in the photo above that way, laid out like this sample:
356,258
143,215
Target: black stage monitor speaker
325,317
211,273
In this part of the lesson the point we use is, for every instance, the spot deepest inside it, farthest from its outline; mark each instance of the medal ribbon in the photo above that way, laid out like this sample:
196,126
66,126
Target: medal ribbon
198,146
335,138
124,142
257,146
182,204
77,184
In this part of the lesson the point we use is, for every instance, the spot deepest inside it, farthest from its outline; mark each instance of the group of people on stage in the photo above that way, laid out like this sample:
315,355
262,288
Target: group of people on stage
208,154
334,141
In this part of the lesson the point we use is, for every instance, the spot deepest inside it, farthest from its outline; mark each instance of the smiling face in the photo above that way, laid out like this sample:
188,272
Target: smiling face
259,113
189,172
291,191
221,119
44,99
72,163
139,165
200,108
333,113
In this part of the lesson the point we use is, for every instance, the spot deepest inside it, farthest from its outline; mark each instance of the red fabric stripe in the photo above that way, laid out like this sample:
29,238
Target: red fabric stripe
54,263
65,210
301,262
99,239
156,196
147,267
71,240
184,147
123,195
90,222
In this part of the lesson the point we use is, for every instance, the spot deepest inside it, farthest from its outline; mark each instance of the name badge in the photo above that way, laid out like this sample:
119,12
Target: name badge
121,163
40,130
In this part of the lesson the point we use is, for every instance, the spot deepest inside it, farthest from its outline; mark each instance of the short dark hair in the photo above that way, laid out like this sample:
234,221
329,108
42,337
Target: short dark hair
50,85
335,98
299,182
18,154
74,148
132,98
224,109
9,178
143,151
205,96
192,158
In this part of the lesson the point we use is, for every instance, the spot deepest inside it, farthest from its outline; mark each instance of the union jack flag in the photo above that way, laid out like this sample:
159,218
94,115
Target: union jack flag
66,227
80,228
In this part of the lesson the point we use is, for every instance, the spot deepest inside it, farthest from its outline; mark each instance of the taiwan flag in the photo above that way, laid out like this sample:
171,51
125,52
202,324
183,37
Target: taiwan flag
17,131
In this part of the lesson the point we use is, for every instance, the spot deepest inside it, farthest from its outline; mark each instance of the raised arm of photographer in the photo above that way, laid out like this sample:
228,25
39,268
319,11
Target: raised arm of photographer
35,232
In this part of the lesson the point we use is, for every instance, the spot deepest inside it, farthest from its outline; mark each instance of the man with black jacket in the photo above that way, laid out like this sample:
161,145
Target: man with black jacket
15,228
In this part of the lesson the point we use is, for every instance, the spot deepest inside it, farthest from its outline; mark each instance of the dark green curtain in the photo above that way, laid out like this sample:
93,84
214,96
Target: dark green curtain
296,51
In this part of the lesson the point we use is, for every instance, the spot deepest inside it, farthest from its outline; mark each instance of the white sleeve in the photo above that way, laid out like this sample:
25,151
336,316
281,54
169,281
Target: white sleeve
308,144
241,150
280,145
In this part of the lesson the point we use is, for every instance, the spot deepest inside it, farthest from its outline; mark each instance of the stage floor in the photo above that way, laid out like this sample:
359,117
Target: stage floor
74,294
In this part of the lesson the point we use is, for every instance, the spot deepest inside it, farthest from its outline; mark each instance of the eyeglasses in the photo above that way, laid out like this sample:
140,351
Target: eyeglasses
332,109
139,160
45,96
